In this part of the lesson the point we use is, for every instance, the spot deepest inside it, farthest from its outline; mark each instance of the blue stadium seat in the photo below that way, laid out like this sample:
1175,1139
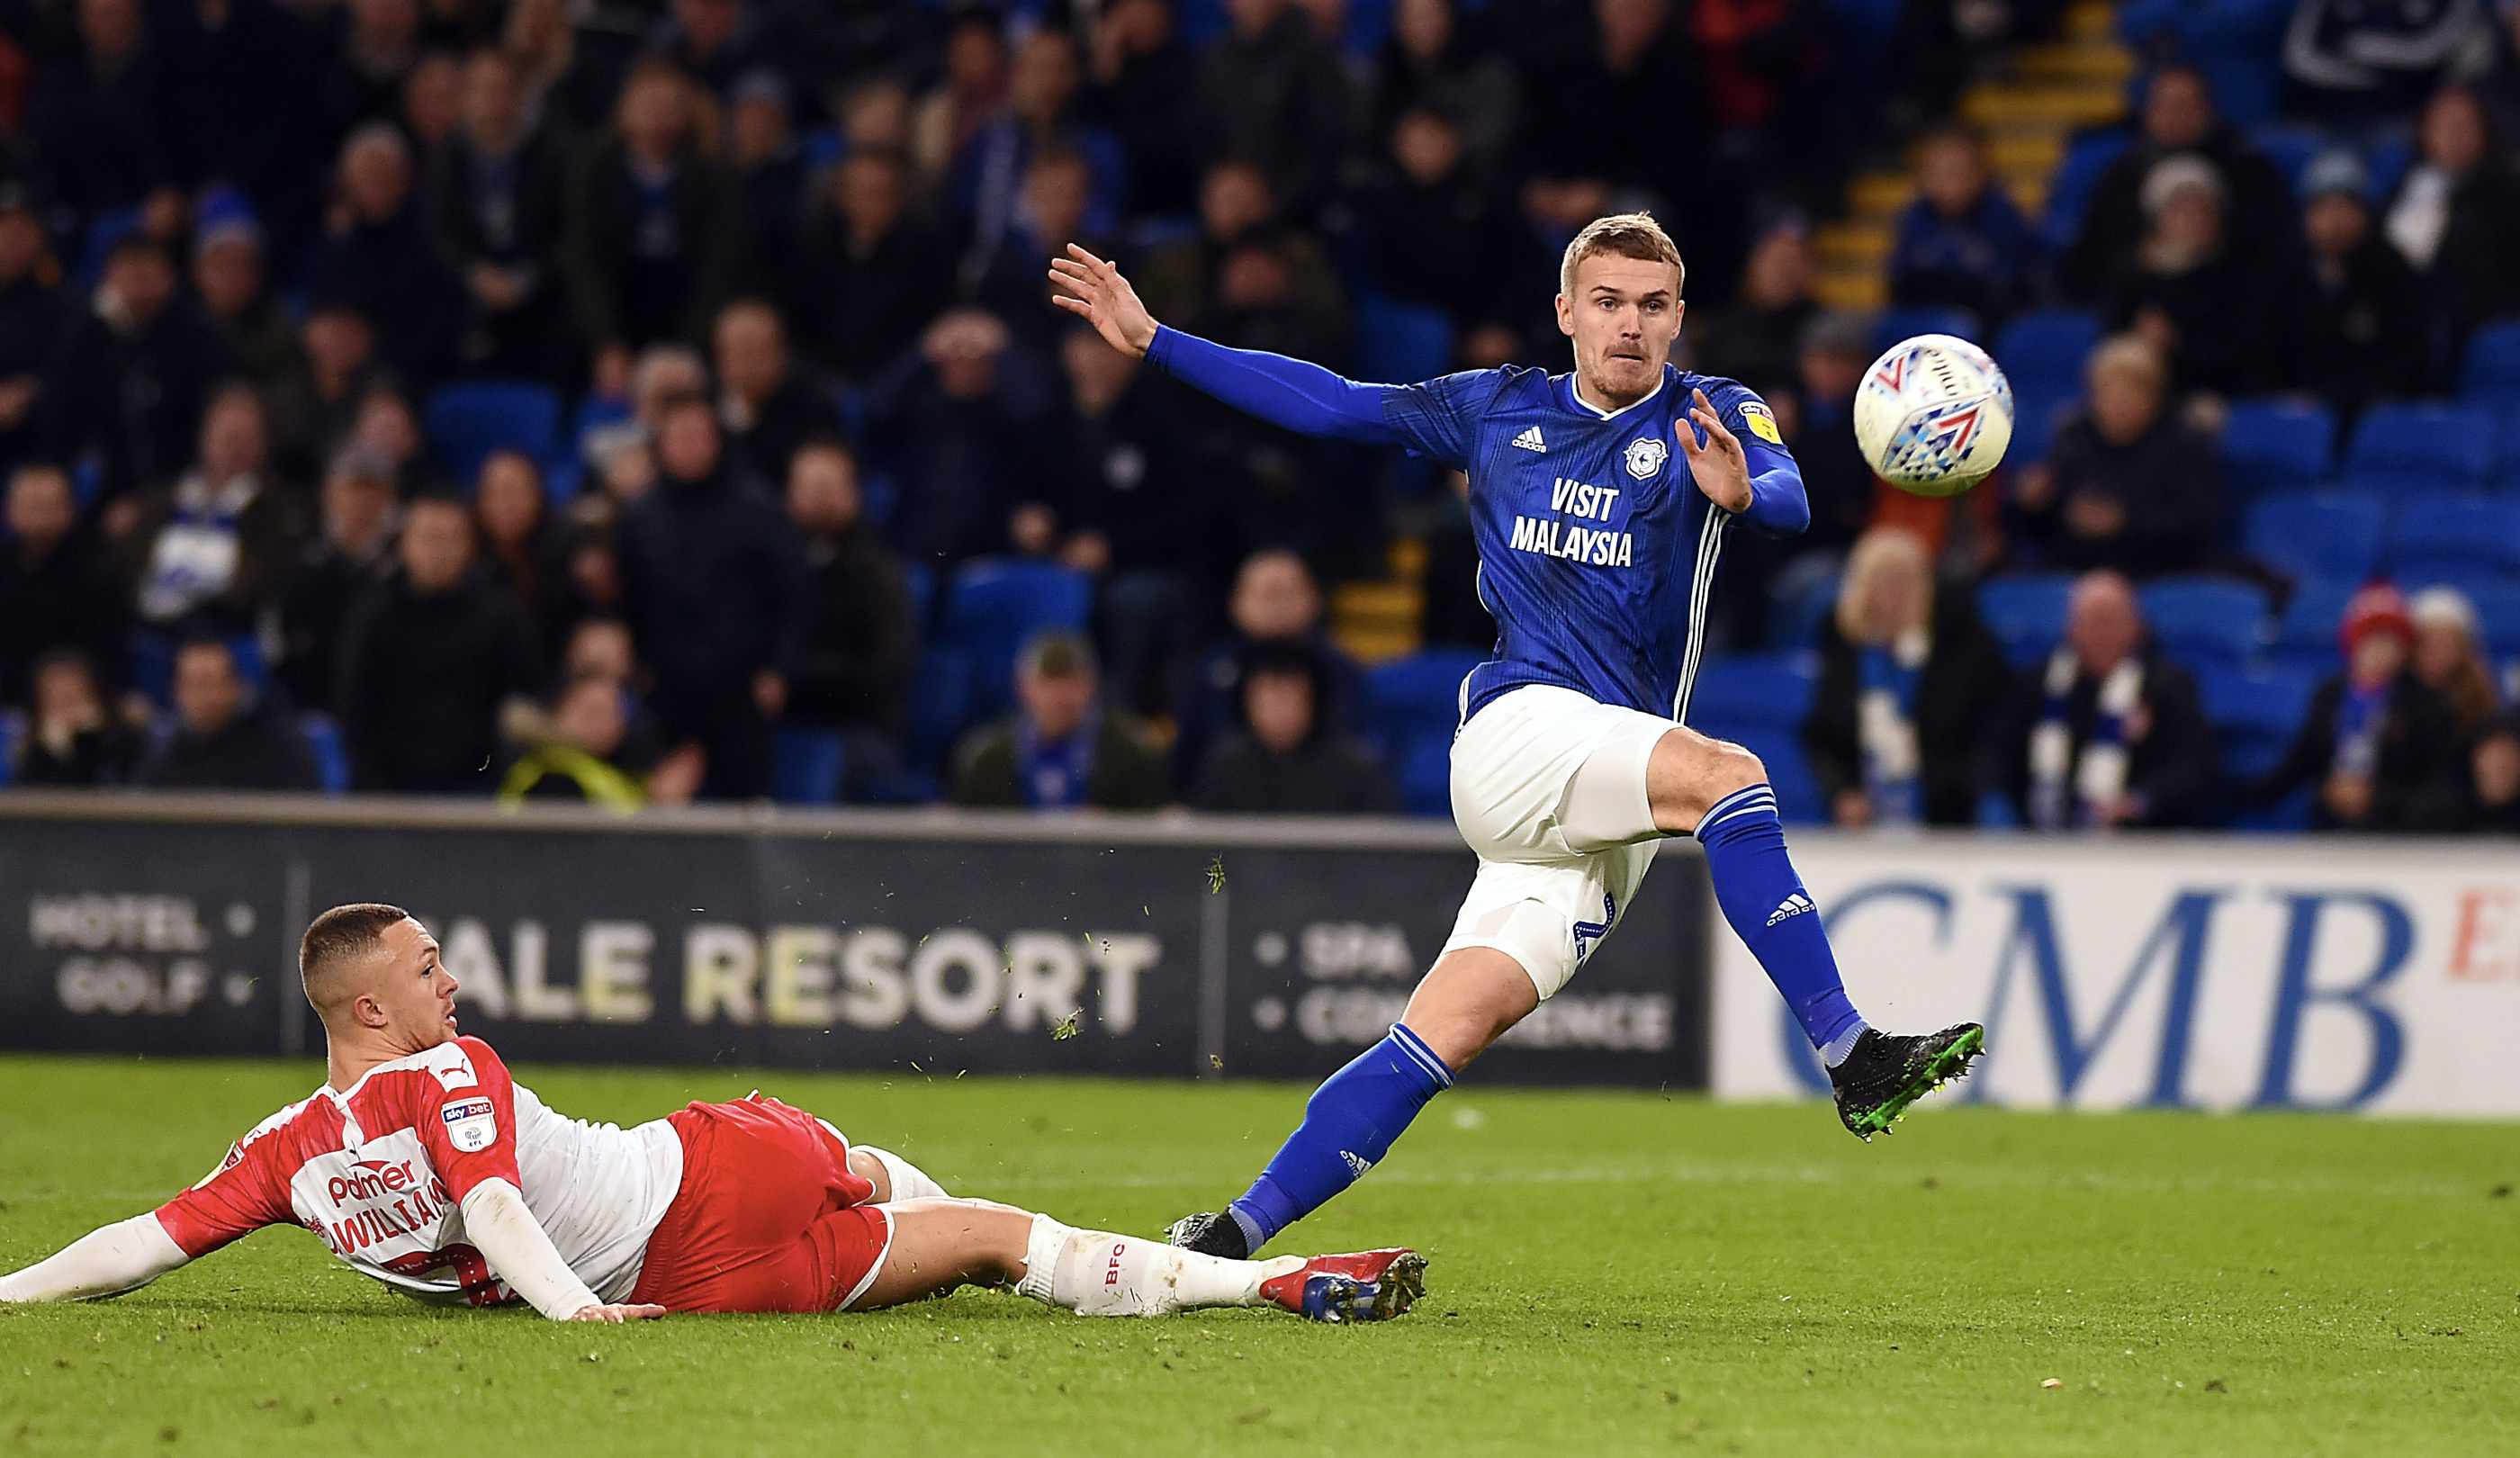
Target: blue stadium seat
1413,704
1401,343
940,705
13,739
2292,148
1417,697
596,416
1868,24
995,606
807,768
2027,614
2305,634
2235,42
1201,21
2467,581
922,591
1758,701
2254,714
1422,773
2419,448
2450,537
1798,799
247,650
2039,411
2490,375
153,666
2506,460
2069,190
1796,611
2275,446
1736,694
2388,155
466,422
1899,324
331,761
2206,622
2331,534
2048,347
2497,615
105,229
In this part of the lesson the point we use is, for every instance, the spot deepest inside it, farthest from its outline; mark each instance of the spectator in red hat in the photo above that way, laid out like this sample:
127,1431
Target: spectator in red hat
2377,741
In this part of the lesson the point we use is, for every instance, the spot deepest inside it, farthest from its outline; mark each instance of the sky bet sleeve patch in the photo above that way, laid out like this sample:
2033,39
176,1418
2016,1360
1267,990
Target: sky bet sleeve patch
1762,422
470,1124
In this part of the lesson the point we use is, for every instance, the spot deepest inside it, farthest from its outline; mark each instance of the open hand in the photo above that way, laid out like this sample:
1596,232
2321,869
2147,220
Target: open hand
1094,288
1719,467
622,1312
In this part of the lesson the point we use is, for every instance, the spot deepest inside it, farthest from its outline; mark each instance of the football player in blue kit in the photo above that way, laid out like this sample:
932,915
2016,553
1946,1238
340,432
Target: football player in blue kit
1599,500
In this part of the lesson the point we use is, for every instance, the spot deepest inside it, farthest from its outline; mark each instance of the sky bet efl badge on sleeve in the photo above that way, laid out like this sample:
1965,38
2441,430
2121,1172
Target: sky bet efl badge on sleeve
1761,421
470,1124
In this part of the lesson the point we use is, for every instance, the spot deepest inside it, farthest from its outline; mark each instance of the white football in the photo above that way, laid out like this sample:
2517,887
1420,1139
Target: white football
1933,415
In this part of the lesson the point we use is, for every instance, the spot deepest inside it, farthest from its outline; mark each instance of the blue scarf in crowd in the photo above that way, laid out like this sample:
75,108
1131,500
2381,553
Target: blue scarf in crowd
2359,715
1886,726
2065,789
1057,774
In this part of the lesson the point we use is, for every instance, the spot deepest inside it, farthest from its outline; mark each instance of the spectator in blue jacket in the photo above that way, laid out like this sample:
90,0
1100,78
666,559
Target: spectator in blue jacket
1961,242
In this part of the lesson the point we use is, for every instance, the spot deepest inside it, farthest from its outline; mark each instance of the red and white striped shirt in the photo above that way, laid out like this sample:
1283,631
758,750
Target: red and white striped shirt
380,1173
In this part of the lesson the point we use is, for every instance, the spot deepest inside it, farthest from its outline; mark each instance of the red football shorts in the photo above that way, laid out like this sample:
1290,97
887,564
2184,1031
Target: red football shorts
770,1216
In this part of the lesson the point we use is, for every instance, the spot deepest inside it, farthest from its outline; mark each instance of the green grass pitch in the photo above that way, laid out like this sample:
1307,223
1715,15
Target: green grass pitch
1611,1273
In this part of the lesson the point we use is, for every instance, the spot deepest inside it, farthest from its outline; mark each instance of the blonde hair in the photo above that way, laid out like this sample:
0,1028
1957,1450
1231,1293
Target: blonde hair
1879,550
1625,234
2131,352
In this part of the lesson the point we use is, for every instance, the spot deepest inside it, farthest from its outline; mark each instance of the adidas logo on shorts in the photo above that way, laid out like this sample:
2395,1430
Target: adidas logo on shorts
1530,440
1792,906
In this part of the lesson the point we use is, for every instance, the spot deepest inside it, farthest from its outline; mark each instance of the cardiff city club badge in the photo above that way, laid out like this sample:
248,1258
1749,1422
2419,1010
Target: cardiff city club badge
1645,455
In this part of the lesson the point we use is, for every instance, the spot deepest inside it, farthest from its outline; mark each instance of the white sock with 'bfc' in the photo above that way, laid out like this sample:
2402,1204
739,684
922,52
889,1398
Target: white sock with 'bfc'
1096,1273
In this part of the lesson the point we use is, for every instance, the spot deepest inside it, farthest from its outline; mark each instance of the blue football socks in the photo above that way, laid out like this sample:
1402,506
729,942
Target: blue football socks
1765,901
1347,1130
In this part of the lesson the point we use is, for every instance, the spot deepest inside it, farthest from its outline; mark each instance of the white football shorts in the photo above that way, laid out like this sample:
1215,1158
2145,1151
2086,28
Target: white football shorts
1559,857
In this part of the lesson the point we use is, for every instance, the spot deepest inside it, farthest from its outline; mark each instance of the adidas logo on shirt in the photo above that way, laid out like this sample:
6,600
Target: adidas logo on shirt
1530,440
1792,906
1356,1162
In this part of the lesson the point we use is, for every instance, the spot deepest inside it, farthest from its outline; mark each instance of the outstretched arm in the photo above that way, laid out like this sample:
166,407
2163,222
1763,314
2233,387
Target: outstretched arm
1287,392
498,1225
122,1257
1762,487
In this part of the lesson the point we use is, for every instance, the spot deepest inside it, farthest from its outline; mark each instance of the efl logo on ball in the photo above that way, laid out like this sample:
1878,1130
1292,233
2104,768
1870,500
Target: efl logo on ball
1933,415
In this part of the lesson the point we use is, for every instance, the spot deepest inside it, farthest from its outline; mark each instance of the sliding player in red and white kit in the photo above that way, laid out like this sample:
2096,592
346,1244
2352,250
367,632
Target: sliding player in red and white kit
422,1164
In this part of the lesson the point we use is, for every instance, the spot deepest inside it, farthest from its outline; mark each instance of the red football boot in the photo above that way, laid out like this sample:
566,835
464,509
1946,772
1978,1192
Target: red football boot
1368,1286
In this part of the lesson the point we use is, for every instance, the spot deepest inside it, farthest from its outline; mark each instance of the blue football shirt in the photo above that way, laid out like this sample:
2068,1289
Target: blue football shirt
1596,551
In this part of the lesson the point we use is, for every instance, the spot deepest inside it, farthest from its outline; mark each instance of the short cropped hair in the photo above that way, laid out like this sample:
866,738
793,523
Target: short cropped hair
1056,652
341,935
1626,235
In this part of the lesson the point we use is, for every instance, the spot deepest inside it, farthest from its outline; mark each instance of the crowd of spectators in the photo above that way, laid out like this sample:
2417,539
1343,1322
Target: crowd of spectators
780,264
2328,284
1918,718
783,265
